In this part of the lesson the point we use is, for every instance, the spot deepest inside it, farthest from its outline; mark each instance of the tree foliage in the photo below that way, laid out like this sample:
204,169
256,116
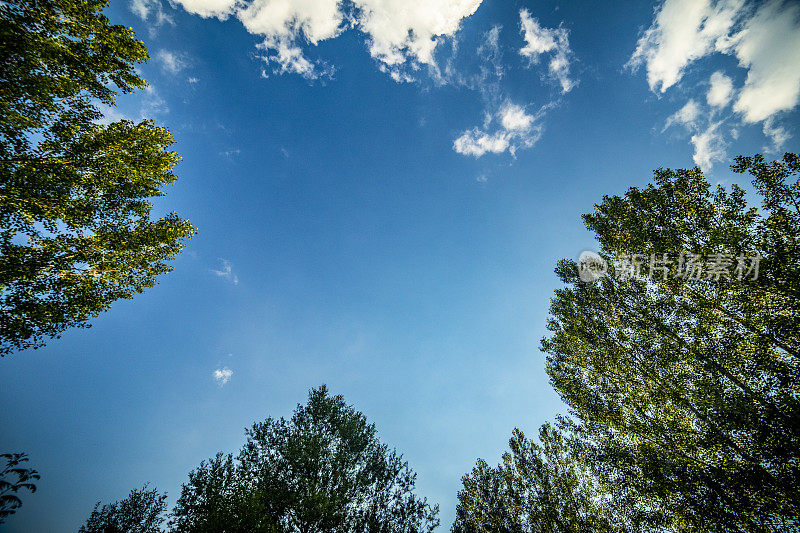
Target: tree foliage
142,511
687,389
324,469
75,195
543,487
13,478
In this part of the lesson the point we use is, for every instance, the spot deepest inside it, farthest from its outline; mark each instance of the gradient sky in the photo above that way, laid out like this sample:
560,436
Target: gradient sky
382,191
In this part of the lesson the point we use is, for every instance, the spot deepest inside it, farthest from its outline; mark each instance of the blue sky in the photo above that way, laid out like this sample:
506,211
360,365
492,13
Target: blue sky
382,190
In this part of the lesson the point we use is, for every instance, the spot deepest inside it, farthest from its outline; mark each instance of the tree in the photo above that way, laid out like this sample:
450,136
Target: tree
538,488
684,381
142,511
13,478
75,195
322,470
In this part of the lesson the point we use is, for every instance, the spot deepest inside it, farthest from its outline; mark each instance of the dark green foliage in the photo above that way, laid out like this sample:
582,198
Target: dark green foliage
538,488
143,511
13,478
75,195
323,470
687,389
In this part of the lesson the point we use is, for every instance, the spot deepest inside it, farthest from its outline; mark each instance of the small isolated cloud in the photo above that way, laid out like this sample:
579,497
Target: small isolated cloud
721,90
482,178
171,62
226,272
686,116
553,41
192,80
709,146
514,129
230,154
223,375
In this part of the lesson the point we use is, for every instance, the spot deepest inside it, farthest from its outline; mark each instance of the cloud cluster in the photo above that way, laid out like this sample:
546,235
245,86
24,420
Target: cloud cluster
513,129
401,35
553,41
764,38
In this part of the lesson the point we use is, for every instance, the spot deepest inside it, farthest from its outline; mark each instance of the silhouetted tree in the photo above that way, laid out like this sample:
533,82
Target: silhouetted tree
13,478
142,511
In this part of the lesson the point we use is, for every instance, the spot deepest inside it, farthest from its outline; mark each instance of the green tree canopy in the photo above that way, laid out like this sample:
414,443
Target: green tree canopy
142,511
685,383
75,195
543,487
324,469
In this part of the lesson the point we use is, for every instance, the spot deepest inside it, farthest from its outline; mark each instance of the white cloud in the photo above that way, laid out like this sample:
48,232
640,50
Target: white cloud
721,90
540,41
401,31
514,118
709,146
227,272
398,32
192,80
223,375
285,23
686,116
683,31
171,62
517,129
776,134
764,37
210,8
477,142
769,47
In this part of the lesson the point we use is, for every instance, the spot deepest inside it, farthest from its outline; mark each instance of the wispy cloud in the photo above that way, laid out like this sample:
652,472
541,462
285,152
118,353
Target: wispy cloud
223,375
550,41
226,272
152,11
171,62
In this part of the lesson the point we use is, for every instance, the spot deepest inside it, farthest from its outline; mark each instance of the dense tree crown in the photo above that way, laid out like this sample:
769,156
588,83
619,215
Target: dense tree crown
75,194
323,470
544,487
685,387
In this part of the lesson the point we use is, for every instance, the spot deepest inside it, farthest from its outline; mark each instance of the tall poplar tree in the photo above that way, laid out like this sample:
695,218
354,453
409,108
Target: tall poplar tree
681,364
76,232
